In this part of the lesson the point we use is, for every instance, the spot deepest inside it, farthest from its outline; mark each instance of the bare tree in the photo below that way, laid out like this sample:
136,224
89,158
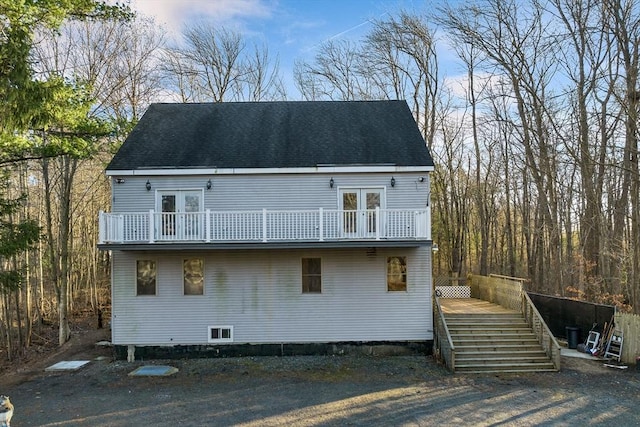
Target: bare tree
118,60
333,75
111,66
136,80
583,53
623,21
214,64
262,80
468,55
452,185
512,41
404,48
396,60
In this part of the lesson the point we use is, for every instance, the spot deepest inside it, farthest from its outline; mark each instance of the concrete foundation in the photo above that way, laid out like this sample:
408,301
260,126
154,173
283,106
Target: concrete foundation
132,352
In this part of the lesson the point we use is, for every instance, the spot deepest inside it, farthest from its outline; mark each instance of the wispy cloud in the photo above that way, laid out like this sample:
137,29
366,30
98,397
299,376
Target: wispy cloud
172,14
292,31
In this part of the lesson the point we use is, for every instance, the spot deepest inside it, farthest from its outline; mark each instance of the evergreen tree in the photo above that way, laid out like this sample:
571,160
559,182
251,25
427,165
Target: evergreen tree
41,117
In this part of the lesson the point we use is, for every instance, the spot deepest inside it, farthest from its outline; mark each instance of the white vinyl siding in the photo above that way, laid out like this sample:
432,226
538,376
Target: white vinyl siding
285,191
258,294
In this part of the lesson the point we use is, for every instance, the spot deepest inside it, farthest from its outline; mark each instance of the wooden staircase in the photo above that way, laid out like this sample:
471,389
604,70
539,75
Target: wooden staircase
495,343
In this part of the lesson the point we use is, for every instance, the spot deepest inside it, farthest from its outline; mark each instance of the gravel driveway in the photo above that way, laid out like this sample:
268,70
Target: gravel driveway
324,391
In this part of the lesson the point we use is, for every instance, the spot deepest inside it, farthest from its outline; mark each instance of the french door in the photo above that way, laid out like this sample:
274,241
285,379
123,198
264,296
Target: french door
180,217
359,216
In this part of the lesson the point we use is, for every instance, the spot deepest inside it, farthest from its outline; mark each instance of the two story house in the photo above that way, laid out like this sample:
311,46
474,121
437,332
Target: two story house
271,226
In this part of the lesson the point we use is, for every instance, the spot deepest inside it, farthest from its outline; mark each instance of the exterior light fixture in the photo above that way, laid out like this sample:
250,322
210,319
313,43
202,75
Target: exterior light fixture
119,180
209,185
393,182
148,185
331,182
421,179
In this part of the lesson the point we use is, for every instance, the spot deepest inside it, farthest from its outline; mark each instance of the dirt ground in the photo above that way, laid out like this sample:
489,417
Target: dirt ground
311,391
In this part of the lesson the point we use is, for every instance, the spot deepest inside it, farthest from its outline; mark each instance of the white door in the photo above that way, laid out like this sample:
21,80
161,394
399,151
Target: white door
359,217
180,214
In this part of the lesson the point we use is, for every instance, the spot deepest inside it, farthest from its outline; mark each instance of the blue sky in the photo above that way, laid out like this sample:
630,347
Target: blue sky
291,29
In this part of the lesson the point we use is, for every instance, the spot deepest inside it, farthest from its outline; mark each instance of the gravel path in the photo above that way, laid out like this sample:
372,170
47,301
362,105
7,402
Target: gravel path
324,391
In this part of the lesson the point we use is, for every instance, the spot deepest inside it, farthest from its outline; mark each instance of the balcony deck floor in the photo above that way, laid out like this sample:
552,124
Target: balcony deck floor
471,306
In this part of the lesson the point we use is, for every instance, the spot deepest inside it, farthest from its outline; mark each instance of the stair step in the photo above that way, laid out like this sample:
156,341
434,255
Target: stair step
492,332
496,324
514,343
495,347
512,353
480,325
484,346
483,361
513,367
533,370
496,343
484,316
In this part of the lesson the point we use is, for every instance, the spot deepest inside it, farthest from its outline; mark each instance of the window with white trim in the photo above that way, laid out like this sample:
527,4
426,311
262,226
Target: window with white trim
218,334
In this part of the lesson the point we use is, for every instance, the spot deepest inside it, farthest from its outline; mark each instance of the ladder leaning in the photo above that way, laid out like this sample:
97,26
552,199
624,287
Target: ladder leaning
614,347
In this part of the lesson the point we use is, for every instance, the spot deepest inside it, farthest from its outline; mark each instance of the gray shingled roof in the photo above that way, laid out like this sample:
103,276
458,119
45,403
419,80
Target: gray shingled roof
273,135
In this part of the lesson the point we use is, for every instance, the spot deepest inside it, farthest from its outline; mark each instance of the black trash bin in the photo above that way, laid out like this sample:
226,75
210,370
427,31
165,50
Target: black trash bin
573,336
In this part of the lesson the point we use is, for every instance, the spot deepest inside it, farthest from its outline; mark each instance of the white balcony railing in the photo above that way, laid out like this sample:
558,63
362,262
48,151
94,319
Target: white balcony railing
265,226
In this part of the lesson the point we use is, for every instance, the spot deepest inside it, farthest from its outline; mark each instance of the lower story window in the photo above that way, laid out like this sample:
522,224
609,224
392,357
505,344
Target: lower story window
220,334
311,275
396,273
146,277
193,276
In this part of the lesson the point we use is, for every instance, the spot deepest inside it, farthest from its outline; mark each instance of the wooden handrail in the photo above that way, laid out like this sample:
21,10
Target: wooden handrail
449,353
501,276
509,293
535,320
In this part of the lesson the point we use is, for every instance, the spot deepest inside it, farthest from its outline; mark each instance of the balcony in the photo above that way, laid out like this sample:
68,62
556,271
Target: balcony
264,226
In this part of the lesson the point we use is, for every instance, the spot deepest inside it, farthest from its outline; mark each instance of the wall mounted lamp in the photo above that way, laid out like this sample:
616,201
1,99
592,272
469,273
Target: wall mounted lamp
393,182
331,182
148,185
421,179
119,180
209,185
